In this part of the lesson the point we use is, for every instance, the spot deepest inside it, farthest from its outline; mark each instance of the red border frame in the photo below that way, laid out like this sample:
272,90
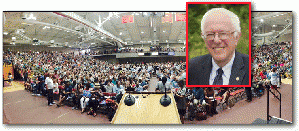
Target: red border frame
187,60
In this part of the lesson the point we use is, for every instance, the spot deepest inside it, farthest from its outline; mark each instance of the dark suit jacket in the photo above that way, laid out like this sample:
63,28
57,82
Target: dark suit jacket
199,70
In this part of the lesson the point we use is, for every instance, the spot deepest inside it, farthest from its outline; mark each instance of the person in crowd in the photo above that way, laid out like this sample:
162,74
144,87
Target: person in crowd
109,87
116,88
210,97
181,100
77,97
162,86
225,94
93,104
85,98
40,85
27,84
274,81
9,78
55,88
138,87
64,93
198,95
120,95
112,107
49,86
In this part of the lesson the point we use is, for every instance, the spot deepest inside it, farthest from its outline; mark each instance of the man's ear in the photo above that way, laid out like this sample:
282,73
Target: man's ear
237,36
202,35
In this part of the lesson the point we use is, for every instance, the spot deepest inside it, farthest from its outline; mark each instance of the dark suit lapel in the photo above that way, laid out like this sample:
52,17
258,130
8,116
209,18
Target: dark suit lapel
207,68
237,74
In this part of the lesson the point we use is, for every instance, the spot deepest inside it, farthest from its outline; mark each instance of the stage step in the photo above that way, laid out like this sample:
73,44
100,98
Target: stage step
274,120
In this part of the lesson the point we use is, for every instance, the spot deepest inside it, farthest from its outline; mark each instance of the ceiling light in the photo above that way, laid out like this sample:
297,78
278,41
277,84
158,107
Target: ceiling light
31,17
262,20
142,32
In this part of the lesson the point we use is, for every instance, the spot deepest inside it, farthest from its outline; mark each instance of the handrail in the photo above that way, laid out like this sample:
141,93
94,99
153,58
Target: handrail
279,103
268,116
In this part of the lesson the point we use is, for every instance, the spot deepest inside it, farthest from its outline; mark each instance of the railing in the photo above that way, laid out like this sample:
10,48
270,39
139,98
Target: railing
279,98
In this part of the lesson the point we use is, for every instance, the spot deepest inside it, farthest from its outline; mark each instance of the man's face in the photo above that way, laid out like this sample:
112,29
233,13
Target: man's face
221,43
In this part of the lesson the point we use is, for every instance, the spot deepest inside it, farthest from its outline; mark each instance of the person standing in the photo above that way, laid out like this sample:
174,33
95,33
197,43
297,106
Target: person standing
9,78
41,84
210,97
274,80
248,90
49,86
181,102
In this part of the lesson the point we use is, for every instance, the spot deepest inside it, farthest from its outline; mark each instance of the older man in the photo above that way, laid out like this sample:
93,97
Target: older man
223,65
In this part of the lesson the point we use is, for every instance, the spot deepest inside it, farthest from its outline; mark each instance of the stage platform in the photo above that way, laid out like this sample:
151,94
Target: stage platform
147,110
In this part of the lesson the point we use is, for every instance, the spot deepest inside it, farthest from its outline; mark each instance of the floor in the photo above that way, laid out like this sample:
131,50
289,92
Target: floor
244,112
19,107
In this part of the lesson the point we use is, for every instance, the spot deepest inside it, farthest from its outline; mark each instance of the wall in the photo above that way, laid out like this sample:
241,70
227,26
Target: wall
146,47
109,58
151,59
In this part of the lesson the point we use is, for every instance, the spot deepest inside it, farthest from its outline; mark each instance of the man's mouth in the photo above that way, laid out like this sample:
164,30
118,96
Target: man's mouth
218,48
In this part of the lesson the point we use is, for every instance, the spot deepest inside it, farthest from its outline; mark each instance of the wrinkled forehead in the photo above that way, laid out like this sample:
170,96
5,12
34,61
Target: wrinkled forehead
218,21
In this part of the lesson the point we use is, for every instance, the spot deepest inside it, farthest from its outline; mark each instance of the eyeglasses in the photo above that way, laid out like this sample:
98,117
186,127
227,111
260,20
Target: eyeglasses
221,35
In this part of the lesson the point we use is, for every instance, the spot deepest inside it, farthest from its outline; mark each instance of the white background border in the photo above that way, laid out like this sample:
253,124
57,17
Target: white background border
153,5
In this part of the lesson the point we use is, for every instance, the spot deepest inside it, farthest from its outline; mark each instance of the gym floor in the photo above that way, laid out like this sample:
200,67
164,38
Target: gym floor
19,107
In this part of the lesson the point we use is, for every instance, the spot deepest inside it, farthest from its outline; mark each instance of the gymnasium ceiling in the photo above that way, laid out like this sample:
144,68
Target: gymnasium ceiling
279,23
109,29
93,29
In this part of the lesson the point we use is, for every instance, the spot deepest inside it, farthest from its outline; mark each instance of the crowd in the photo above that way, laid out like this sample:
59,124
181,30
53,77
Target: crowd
271,63
82,81
90,84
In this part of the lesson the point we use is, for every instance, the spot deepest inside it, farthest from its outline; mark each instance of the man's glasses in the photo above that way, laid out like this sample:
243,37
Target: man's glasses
221,35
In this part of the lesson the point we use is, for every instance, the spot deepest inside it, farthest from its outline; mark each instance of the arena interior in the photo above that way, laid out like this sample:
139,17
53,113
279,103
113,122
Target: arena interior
108,68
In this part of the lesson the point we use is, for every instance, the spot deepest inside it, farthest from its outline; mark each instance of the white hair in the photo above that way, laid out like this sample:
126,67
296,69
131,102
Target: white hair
234,18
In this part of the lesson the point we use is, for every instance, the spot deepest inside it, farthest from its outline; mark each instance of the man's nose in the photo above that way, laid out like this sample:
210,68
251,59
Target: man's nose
217,39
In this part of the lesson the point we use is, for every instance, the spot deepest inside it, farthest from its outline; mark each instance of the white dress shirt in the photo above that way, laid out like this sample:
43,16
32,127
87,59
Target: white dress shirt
49,83
226,71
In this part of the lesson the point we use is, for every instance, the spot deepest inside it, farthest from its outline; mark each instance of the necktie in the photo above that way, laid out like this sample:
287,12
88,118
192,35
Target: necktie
218,79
